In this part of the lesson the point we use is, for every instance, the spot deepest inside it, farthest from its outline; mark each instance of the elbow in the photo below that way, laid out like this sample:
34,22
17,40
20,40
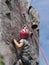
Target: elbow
19,46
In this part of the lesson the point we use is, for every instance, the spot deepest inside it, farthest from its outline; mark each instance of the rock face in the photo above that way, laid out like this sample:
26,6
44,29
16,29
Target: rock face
10,24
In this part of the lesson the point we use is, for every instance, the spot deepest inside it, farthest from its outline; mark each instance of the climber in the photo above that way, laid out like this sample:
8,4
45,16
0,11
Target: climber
23,47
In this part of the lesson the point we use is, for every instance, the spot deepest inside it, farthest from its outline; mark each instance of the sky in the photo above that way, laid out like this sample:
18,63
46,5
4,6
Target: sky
43,8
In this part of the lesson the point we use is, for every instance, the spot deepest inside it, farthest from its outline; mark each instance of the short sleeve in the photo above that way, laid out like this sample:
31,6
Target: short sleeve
21,41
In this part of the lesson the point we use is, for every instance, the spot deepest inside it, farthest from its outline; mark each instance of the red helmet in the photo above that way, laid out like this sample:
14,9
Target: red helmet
24,34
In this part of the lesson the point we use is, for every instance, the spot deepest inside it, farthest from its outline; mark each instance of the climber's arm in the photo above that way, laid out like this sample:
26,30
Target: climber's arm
18,44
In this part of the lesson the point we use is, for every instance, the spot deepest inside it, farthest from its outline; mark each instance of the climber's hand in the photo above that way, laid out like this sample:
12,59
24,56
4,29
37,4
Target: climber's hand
12,41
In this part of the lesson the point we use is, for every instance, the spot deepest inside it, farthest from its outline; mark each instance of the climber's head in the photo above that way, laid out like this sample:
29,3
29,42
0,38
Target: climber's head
24,33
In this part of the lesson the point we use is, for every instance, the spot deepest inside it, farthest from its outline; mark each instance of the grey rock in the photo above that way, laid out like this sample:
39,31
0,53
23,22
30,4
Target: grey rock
9,29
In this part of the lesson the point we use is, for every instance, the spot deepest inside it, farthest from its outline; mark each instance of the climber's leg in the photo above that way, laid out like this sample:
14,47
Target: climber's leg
26,60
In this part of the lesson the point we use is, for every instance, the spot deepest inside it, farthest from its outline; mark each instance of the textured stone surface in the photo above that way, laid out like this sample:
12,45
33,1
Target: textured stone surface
9,29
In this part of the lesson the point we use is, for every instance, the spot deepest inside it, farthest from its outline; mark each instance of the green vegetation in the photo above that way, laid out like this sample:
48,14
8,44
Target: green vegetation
2,63
1,60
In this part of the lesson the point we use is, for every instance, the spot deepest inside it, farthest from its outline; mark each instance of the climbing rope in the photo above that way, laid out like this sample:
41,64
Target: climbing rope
34,33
